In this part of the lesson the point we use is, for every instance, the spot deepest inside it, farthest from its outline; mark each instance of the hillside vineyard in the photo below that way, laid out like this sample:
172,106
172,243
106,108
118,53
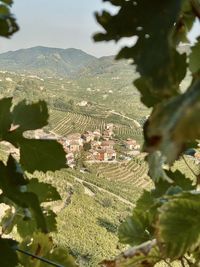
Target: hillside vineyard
96,115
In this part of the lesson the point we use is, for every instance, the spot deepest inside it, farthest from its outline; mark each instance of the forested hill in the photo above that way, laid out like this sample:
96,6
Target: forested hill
44,61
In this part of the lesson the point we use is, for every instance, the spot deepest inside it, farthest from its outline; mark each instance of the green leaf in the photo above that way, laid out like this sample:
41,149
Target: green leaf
162,68
177,179
5,116
59,255
7,253
15,171
26,227
30,116
7,22
8,221
194,59
156,171
41,245
136,229
7,2
178,225
45,192
173,124
148,97
13,189
145,202
184,24
41,155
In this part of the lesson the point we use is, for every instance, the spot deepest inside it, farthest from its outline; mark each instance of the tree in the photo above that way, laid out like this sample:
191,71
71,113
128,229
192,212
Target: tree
164,225
25,196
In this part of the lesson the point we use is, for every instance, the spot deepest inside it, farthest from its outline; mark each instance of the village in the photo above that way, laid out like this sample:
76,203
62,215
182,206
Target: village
97,146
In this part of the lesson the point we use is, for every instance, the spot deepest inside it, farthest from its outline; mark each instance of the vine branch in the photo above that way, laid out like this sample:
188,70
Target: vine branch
39,258
193,172
195,7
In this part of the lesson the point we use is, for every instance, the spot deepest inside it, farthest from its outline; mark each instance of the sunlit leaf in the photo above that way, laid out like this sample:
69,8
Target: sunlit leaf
41,245
178,227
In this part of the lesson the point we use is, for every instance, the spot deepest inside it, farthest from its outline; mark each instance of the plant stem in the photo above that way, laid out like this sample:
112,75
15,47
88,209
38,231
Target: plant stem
193,172
196,7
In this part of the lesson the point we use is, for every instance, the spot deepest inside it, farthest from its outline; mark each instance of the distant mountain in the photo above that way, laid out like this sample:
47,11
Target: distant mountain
46,61
55,62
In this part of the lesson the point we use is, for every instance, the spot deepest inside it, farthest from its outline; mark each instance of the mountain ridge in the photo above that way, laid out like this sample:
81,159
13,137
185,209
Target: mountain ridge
49,61
46,60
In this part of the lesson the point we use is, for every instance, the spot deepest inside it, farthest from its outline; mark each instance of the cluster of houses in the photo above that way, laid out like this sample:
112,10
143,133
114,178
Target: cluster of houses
97,145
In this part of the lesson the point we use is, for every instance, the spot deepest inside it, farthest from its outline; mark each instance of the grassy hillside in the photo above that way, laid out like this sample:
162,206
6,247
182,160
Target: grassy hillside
102,93
86,207
88,220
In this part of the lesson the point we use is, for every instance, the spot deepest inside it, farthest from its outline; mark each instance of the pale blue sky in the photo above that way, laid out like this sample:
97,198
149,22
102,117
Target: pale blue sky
59,23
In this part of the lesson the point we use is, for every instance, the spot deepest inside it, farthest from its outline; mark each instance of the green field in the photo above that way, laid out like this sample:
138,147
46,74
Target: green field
101,211
64,123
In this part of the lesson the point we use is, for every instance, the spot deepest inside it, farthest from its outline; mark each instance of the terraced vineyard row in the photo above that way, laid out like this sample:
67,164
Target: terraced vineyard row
125,132
66,123
134,172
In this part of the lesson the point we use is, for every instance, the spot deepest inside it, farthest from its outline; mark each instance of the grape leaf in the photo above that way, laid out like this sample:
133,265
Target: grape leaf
163,68
7,21
156,171
45,192
136,229
41,245
194,59
145,202
177,179
29,226
7,253
12,190
5,116
30,116
8,221
7,2
173,124
178,224
41,155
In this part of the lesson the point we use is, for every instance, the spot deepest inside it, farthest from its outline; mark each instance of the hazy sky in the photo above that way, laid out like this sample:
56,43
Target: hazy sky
60,23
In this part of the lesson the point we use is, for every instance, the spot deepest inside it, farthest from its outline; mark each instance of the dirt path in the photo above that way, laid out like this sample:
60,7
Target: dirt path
106,191
136,123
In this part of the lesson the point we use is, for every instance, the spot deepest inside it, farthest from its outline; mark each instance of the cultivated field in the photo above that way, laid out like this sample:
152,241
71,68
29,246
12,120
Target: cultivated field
64,123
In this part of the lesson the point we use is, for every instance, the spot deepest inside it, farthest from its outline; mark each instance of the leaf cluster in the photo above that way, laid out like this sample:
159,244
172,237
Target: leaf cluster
26,198
164,225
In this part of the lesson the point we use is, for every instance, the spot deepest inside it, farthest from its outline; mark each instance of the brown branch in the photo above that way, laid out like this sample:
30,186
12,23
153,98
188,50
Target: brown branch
168,263
195,7
182,262
188,261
